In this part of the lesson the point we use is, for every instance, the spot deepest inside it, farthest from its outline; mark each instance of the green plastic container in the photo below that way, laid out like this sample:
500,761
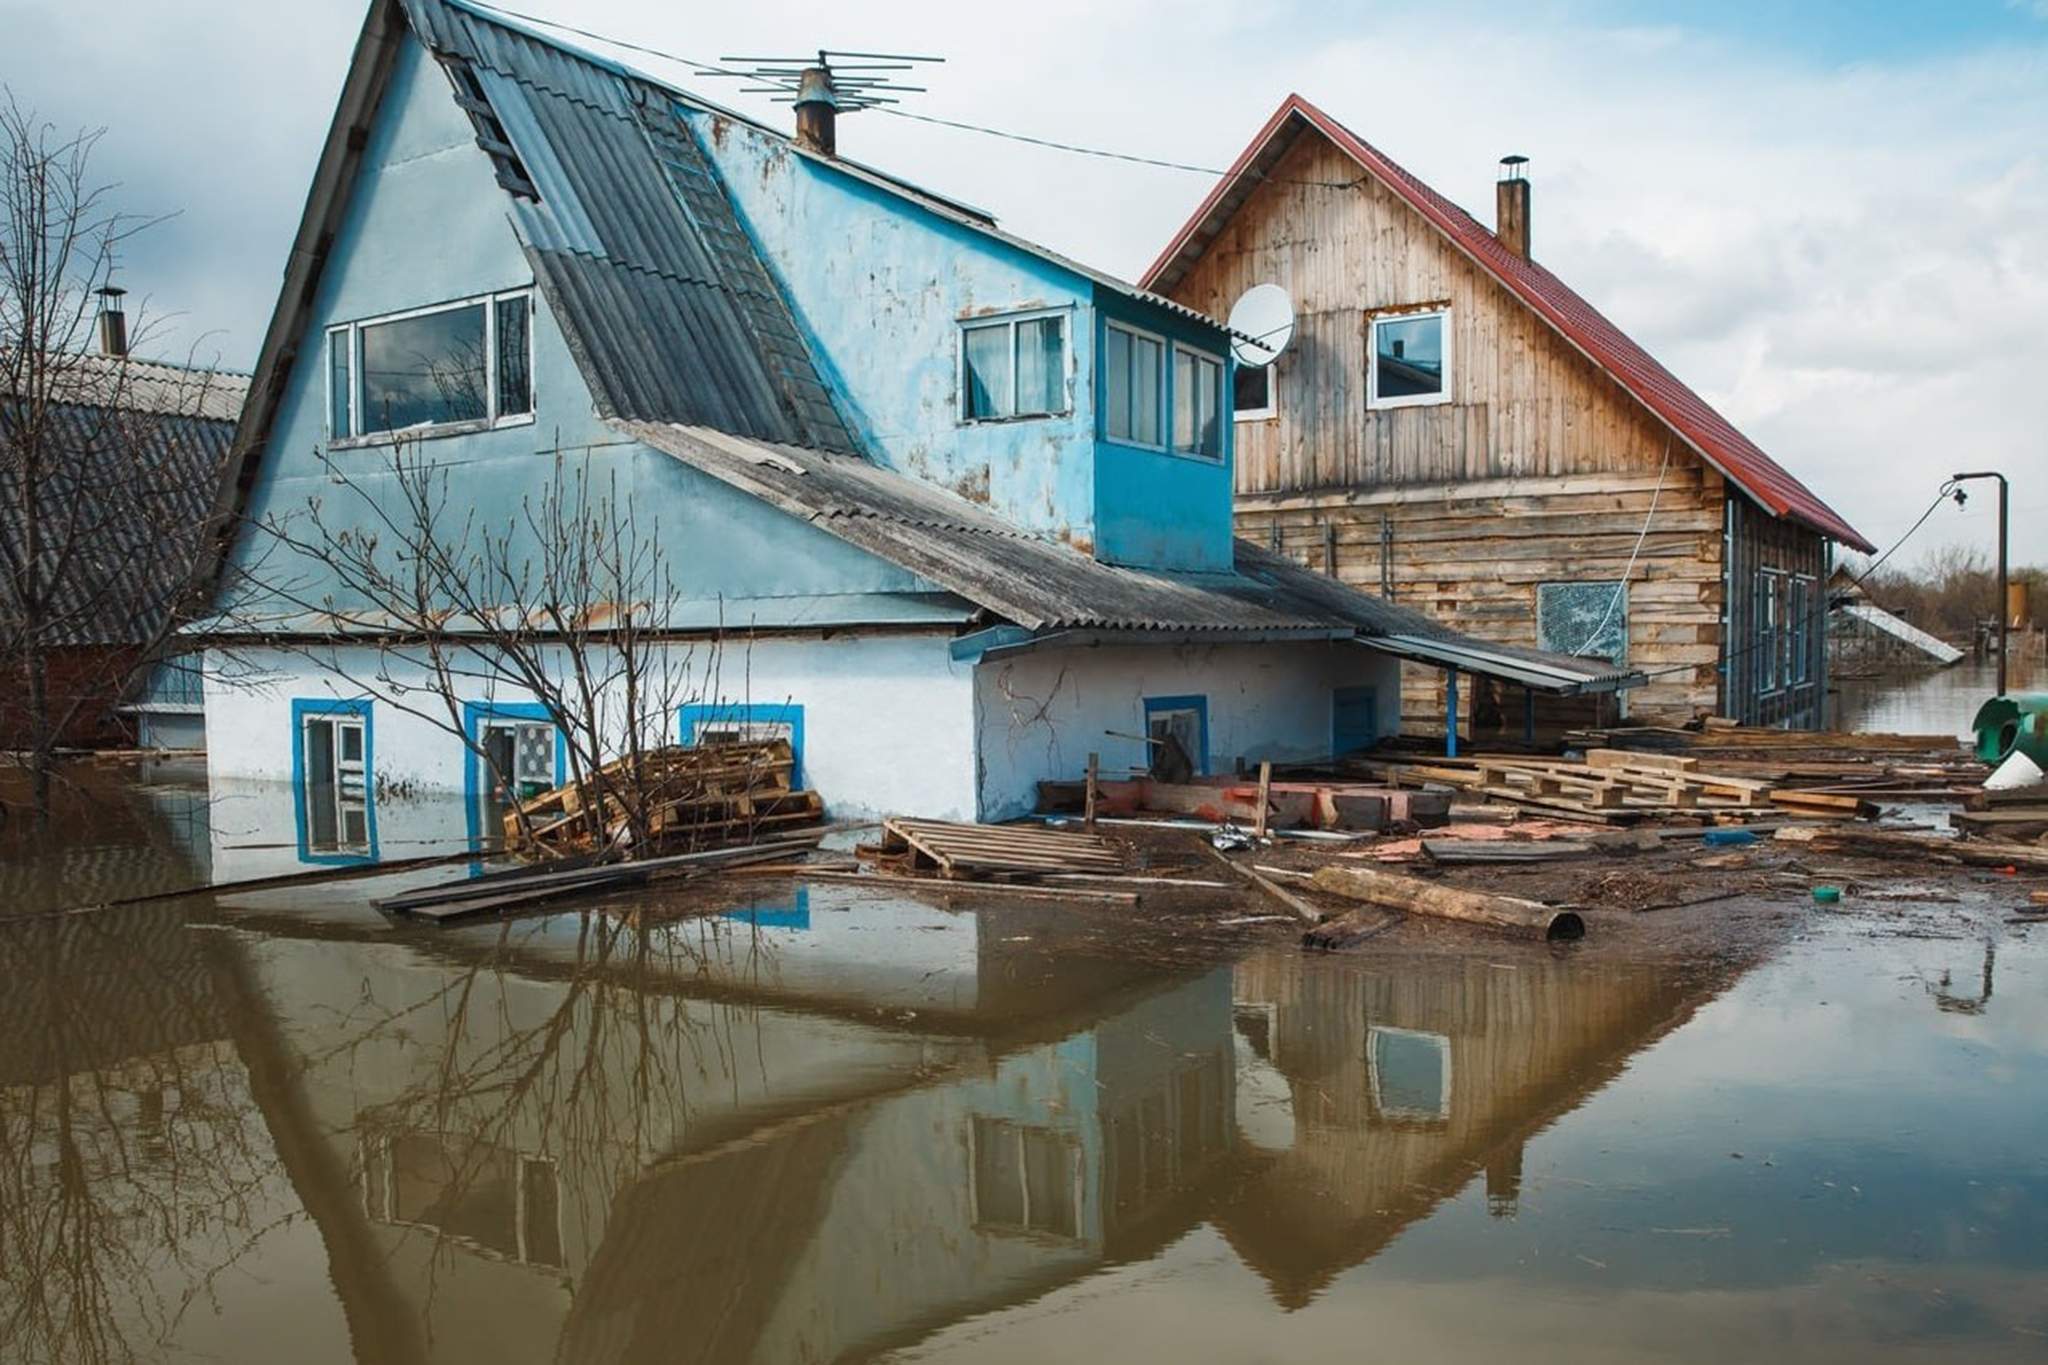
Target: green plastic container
2019,721
1826,895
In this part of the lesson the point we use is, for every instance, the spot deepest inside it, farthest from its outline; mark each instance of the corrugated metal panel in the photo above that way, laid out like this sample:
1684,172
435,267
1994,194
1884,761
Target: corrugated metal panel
1043,584
1555,673
132,492
1706,430
660,293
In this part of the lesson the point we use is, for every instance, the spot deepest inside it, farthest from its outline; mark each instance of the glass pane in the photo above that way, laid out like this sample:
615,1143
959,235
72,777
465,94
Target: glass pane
1410,357
515,364
1116,385
987,355
351,743
1147,361
424,370
1208,408
322,831
1187,400
1250,389
1041,351
337,386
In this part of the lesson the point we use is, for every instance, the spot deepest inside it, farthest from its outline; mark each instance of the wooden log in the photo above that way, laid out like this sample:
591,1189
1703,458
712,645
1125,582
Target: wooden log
1914,847
1300,908
1417,897
1093,792
1505,850
1265,796
884,881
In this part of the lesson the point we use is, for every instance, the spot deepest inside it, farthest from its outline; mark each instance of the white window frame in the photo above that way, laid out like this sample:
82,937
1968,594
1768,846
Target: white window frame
348,786
1373,401
1010,320
491,422
1165,442
1076,1176
1222,365
1272,408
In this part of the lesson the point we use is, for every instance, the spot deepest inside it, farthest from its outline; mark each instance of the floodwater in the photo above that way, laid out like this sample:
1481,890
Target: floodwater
817,1124
1941,701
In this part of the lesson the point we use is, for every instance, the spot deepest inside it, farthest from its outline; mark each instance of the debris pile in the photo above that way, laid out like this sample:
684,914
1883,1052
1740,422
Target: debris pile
693,797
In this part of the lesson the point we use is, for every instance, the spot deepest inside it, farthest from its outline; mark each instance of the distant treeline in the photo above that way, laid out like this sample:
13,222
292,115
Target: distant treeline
1950,590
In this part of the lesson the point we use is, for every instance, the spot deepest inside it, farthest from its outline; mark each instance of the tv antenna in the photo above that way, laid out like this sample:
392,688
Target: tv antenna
846,80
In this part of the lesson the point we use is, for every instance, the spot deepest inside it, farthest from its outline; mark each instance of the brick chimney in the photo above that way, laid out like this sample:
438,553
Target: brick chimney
1511,205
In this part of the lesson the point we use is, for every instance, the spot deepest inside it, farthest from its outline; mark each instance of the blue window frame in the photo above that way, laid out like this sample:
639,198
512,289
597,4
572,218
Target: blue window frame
1354,719
334,796
1186,718
793,914
483,722
744,721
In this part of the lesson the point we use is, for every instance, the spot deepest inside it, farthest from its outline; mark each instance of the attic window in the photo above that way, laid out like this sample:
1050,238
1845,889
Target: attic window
1013,367
1410,360
490,133
453,367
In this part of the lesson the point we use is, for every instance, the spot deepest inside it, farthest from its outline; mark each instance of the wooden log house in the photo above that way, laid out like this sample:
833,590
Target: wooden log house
1456,429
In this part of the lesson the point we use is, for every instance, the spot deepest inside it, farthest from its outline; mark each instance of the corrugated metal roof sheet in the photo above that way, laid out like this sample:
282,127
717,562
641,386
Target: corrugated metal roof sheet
1043,584
133,384
1713,436
664,301
124,512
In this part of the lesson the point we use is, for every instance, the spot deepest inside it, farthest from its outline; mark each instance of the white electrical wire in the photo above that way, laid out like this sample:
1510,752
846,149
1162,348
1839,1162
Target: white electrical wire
1630,568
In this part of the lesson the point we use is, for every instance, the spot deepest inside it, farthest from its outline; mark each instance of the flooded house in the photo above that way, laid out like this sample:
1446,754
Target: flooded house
1454,427
945,509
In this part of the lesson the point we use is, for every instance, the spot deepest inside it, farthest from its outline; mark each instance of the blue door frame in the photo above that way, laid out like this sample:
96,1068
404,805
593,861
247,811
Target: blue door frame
474,715
308,708
1354,719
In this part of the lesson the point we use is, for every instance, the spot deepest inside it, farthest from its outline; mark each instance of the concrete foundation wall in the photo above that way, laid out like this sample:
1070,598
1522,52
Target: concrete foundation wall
1040,714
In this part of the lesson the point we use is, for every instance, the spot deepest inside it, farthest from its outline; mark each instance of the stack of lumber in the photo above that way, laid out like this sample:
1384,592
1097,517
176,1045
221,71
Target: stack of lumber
1610,786
2014,816
696,796
1866,767
976,851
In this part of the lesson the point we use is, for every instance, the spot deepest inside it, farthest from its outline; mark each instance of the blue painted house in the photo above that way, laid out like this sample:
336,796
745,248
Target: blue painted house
947,509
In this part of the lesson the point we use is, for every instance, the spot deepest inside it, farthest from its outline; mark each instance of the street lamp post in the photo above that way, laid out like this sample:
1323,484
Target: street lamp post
2002,622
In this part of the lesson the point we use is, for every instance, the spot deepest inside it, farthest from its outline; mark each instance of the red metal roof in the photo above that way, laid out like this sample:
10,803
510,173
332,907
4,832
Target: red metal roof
1710,434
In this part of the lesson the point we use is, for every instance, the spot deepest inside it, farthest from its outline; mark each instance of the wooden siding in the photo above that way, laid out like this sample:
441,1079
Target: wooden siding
1539,469
1474,554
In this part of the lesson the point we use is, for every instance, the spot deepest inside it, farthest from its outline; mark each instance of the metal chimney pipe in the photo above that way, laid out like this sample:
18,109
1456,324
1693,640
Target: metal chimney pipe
1511,206
817,111
113,322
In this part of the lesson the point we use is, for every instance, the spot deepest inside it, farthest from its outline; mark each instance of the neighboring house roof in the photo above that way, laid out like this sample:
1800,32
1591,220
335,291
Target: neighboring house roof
122,508
1713,437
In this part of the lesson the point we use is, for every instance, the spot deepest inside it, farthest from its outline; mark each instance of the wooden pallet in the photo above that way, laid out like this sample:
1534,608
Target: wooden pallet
962,850
1616,787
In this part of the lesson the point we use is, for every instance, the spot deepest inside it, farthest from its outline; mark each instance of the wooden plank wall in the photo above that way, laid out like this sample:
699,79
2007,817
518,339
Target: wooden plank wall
1472,555
1540,469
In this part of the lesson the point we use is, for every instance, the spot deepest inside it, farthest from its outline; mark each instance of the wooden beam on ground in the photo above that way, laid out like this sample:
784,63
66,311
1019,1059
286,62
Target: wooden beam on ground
1414,896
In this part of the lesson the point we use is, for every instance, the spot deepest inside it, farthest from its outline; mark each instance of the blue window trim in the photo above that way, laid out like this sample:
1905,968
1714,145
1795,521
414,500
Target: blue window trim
773,712
794,914
303,709
474,714
1199,705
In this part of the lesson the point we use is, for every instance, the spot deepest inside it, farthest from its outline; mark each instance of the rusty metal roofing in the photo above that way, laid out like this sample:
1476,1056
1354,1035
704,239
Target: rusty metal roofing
667,306
1713,437
1042,584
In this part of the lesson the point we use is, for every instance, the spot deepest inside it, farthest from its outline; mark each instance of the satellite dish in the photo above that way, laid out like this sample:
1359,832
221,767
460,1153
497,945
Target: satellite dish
1264,314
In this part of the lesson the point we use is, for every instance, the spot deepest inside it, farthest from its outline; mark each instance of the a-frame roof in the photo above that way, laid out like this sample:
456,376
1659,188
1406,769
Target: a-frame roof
1710,435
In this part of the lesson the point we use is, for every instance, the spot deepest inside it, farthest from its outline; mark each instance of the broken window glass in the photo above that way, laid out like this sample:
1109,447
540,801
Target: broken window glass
1583,620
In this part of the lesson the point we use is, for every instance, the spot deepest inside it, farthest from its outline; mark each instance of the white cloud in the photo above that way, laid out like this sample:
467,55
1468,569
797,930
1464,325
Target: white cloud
1846,259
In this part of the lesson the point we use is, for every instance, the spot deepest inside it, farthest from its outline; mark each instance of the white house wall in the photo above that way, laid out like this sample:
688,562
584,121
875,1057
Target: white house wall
887,719
1040,714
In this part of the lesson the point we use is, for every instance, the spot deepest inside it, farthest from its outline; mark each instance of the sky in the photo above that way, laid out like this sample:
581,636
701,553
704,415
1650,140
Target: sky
1831,219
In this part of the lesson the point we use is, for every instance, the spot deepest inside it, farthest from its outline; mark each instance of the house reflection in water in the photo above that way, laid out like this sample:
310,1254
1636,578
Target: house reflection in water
818,1135
1371,1091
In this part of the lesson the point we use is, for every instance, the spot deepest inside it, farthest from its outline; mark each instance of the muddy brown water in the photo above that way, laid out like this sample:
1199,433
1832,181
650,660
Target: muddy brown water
814,1123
